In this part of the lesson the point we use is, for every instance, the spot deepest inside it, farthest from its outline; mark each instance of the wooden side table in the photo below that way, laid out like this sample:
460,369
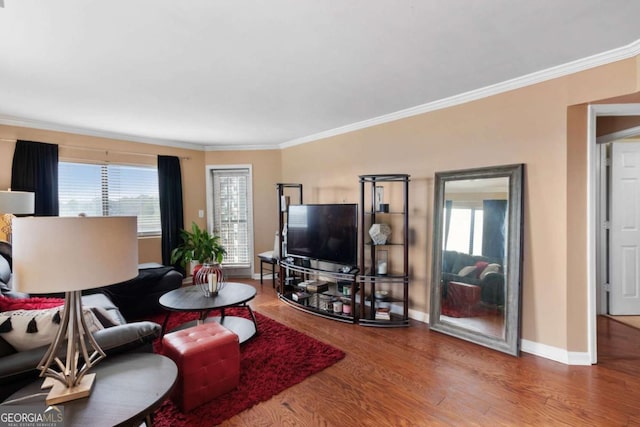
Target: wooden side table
128,389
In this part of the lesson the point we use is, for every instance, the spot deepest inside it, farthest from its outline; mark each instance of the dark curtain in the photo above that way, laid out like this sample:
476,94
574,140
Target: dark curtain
35,168
171,220
494,232
447,213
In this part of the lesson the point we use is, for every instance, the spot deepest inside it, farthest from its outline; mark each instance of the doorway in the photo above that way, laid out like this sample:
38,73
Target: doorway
597,217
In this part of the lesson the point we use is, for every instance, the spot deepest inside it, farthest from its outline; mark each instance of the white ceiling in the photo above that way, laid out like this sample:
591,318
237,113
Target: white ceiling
219,74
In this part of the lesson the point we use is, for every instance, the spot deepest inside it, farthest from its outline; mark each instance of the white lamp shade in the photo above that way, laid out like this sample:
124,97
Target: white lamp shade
17,202
60,254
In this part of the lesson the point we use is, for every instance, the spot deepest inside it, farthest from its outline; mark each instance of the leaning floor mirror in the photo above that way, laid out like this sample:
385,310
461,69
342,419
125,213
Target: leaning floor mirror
477,256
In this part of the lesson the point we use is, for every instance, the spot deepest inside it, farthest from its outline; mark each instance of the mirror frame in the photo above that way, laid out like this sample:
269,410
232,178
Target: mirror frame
510,342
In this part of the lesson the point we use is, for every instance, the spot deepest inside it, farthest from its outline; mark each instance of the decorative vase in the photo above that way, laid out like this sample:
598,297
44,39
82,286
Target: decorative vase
210,279
380,233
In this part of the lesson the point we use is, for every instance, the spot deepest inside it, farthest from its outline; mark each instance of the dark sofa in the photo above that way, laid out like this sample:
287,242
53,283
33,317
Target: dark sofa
491,283
17,368
138,297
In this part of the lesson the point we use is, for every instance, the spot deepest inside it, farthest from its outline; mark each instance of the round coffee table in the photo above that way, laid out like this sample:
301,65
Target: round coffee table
128,389
191,298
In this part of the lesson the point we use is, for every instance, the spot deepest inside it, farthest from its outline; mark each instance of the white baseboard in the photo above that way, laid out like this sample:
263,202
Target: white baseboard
420,316
554,353
537,349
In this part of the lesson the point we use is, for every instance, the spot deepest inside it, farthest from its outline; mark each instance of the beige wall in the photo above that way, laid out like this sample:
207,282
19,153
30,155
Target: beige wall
529,125
543,126
576,223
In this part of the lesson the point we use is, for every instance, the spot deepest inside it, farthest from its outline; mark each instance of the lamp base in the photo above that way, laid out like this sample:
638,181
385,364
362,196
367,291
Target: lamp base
78,344
60,393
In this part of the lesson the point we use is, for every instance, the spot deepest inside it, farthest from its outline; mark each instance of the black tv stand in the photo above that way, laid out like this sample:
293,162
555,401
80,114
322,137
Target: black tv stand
324,293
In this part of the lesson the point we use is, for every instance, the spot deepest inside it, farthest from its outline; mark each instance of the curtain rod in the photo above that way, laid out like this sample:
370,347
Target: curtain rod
101,149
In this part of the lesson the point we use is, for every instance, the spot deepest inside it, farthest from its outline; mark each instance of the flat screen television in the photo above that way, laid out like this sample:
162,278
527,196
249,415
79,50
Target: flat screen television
323,232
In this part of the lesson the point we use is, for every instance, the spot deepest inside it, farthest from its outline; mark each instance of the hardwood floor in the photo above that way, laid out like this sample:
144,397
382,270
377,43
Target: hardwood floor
415,377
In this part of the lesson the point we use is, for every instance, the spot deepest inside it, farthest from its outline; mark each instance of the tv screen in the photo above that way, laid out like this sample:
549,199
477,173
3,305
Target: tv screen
323,232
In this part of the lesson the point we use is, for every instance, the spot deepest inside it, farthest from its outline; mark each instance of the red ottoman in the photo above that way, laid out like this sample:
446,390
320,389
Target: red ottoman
208,359
463,296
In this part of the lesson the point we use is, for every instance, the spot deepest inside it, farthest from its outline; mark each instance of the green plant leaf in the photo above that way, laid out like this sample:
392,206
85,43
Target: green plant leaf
199,245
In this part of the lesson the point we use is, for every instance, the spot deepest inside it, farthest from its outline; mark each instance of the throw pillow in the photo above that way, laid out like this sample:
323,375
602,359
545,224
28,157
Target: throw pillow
491,268
27,329
480,266
467,271
5,272
104,317
33,303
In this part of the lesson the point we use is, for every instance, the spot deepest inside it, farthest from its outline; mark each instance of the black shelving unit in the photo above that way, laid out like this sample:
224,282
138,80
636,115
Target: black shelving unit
285,192
388,292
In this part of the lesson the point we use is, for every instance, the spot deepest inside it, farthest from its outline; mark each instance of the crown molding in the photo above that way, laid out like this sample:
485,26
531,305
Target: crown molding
247,147
582,64
36,124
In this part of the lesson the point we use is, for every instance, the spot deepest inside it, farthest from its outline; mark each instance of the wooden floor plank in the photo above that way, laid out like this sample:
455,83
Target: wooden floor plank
416,377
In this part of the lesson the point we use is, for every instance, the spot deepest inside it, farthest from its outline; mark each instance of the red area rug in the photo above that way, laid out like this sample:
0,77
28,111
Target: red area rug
266,363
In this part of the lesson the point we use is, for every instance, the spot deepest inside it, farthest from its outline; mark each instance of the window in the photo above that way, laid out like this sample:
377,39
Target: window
111,190
230,204
465,231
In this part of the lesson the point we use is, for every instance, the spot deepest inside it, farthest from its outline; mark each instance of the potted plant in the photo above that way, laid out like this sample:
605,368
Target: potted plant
199,246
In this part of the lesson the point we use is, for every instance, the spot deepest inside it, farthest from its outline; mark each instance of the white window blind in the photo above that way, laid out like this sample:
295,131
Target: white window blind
111,190
231,214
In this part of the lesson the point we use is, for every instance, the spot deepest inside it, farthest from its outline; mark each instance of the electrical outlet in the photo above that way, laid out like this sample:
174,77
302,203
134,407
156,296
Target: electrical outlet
201,213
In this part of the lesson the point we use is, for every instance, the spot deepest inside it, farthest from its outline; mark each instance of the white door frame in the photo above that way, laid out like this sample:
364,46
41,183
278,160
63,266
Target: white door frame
593,164
209,201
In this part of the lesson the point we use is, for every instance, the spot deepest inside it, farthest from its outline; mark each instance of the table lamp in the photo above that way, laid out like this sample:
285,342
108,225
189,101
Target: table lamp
70,254
14,203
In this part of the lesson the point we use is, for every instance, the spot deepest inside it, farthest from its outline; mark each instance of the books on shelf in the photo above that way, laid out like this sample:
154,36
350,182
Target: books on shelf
317,287
300,296
383,313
